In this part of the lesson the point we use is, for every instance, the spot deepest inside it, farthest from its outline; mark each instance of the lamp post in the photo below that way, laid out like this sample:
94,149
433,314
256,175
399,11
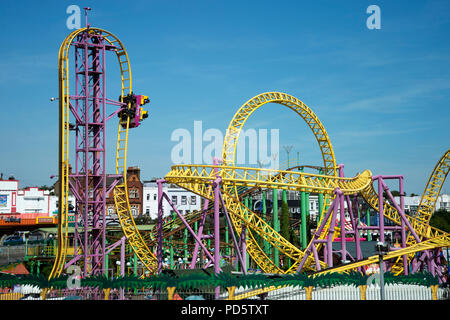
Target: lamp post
288,150
382,248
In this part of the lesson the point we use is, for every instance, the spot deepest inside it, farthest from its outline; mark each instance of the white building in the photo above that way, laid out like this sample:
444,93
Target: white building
54,203
443,202
33,200
28,203
412,203
8,196
185,201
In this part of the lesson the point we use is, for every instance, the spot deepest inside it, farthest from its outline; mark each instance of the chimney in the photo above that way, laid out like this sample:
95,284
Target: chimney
134,171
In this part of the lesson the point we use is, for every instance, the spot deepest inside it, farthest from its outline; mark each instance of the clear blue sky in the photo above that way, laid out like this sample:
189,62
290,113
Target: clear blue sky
382,95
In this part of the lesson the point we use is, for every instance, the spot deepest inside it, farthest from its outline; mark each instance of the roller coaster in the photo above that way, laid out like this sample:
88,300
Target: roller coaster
222,185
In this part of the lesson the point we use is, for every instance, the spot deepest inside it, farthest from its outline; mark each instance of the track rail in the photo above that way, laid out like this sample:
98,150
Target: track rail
129,228
196,177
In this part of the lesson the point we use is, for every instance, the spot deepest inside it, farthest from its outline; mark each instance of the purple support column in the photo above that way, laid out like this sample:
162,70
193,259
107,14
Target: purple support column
199,234
88,182
122,266
401,212
331,211
159,250
188,226
381,208
122,257
243,244
316,257
236,244
342,218
402,206
331,230
217,269
355,224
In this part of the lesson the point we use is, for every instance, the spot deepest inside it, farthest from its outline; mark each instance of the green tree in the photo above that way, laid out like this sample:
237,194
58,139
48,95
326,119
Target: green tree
284,227
441,220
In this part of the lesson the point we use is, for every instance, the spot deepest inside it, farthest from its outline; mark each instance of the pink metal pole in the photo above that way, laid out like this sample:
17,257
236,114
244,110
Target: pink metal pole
188,227
331,231
243,243
316,235
402,206
216,186
401,212
199,234
217,269
381,208
342,218
236,244
353,207
159,250
122,266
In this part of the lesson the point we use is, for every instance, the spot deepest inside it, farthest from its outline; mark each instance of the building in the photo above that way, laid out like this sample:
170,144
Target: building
412,203
293,199
8,196
443,202
26,203
54,205
185,201
135,193
33,200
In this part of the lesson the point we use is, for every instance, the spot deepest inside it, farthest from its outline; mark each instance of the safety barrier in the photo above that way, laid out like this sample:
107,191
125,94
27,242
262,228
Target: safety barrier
372,292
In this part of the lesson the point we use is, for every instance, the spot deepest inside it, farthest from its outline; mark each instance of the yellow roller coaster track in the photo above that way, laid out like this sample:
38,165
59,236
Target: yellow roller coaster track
197,177
239,213
433,188
129,228
427,203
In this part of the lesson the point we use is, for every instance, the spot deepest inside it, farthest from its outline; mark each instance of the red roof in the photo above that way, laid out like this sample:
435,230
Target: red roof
16,269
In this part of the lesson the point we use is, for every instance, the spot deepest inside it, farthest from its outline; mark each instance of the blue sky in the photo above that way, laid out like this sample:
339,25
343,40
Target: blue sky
382,95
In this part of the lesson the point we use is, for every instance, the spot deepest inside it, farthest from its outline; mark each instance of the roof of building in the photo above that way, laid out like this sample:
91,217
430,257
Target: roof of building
17,268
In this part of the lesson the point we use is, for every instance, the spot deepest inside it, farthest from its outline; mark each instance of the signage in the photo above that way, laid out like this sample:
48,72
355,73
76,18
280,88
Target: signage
3,200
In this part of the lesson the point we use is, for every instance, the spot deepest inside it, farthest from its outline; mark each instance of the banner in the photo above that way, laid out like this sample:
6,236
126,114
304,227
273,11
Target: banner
3,200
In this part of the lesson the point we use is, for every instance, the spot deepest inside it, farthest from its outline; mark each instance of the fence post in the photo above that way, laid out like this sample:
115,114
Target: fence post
434,289
362,291
171,292
43,293
231,292
107,291
309,292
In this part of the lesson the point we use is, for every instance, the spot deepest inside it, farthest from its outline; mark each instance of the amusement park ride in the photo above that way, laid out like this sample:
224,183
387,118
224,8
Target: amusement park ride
83,114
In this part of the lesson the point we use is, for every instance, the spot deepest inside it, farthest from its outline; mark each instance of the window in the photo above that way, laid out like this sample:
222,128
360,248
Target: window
134,210
154,196
148,196
147,210
174,200
134,193
183,200
110,210
193,200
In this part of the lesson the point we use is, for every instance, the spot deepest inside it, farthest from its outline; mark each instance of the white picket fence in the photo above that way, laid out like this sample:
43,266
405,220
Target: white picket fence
392,292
